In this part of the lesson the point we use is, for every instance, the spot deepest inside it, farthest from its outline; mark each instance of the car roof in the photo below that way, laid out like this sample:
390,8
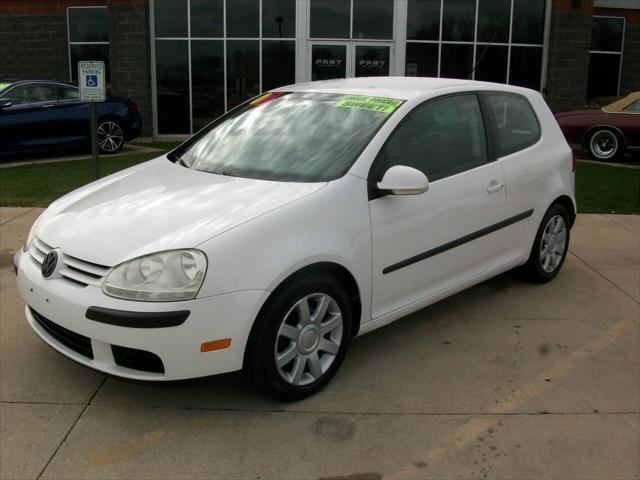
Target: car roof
23,81
621,103
405,88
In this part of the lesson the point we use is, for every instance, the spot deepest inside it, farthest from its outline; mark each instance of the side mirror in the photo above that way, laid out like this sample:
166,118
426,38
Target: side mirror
5,103
403,180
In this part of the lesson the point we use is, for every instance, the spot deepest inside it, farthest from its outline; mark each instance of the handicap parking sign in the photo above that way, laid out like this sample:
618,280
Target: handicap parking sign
91,81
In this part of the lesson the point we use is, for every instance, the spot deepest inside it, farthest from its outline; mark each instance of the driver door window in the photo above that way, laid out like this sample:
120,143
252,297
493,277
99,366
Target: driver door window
440,138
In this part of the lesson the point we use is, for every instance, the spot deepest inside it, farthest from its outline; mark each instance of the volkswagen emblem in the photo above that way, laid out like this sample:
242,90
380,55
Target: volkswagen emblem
49,264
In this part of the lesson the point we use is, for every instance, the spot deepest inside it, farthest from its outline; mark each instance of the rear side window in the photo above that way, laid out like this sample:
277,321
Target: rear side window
31,93
516,122
634,107
440,138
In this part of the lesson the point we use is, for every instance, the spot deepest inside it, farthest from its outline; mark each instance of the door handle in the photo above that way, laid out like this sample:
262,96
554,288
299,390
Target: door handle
48,106
495,187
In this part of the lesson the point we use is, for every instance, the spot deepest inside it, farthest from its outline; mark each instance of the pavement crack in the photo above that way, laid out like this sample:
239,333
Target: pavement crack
64,439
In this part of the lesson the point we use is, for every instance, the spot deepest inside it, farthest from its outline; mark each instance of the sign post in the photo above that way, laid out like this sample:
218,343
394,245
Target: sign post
92,90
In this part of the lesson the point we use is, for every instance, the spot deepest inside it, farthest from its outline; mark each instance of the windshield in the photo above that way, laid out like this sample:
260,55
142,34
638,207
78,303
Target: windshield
304,137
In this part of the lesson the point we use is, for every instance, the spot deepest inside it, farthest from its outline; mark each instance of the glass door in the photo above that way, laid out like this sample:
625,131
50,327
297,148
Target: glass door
329,60
334,59
372,60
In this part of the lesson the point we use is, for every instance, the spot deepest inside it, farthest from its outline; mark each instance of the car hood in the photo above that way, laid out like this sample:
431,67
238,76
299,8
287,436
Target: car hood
158,206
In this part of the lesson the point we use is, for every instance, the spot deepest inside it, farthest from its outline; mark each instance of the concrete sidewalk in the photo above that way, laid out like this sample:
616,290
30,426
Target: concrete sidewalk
506,380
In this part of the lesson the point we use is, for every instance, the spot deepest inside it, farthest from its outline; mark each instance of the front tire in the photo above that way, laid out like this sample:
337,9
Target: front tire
300,338
110,136
550,246
604,144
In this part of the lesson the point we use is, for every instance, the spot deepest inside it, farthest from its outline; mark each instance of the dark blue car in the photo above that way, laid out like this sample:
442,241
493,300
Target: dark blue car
38,115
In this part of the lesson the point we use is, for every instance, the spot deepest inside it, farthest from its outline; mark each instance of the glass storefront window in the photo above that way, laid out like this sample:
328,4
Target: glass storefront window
207,19
278,18
191,86
505,46
423,20
458,20
493,20
172,86
330,18
605,57
528,21
207,81
243,18
373,19
278,63
328,61
88,37
171,18
422,60
372,61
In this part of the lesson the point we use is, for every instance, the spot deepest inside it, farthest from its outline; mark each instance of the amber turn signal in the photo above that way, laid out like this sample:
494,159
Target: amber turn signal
215,345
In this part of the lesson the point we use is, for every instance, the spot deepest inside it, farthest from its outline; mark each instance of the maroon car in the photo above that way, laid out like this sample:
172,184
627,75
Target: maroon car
605,132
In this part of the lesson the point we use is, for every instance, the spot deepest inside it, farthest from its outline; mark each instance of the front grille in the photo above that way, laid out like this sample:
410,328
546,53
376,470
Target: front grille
76,272
137,359
74,341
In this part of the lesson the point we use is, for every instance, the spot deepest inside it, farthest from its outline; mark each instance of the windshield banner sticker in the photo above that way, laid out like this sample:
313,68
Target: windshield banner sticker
375,104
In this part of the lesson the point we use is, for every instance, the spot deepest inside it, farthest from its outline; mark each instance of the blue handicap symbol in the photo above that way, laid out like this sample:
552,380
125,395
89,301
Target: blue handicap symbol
92,80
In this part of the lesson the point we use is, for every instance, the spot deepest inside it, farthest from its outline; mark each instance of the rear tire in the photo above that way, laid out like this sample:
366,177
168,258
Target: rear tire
300,338
550,246
604,144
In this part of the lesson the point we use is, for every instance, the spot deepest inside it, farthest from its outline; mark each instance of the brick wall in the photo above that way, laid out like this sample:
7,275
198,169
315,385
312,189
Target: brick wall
130,58
34,46
568,66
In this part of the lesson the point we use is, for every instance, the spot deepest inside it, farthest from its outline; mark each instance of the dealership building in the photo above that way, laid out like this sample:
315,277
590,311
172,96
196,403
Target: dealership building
187,61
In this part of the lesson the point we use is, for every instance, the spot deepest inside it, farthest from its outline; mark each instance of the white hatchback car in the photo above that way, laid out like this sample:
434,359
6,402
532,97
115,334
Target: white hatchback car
302,218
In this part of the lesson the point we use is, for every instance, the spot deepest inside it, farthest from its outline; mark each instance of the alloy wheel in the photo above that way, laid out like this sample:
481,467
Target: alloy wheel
110,136
309,339
553,244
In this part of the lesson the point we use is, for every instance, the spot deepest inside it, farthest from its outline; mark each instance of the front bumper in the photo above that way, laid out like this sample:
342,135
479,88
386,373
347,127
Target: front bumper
229,315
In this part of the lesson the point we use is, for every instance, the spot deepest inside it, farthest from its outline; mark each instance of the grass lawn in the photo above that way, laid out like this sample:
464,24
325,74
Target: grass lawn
600,188
605,189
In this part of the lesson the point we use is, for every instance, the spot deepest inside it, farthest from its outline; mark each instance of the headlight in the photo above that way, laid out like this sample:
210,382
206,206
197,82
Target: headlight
32,234
159,277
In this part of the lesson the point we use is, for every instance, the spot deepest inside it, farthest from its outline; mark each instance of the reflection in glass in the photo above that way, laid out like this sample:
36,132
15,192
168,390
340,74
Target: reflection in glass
491,63
458,20
526,67
207,81
456,61
207,18
278,18
493,20
606,34
243,77
278,63
302,137
89,52
421,60
423,20
243,18
330,18
372,61
373,19
172,80
604,71
170,18
88,25
328,61
528,21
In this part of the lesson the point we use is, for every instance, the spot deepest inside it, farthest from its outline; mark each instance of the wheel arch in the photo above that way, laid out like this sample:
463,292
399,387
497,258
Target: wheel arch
568,204
587,135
